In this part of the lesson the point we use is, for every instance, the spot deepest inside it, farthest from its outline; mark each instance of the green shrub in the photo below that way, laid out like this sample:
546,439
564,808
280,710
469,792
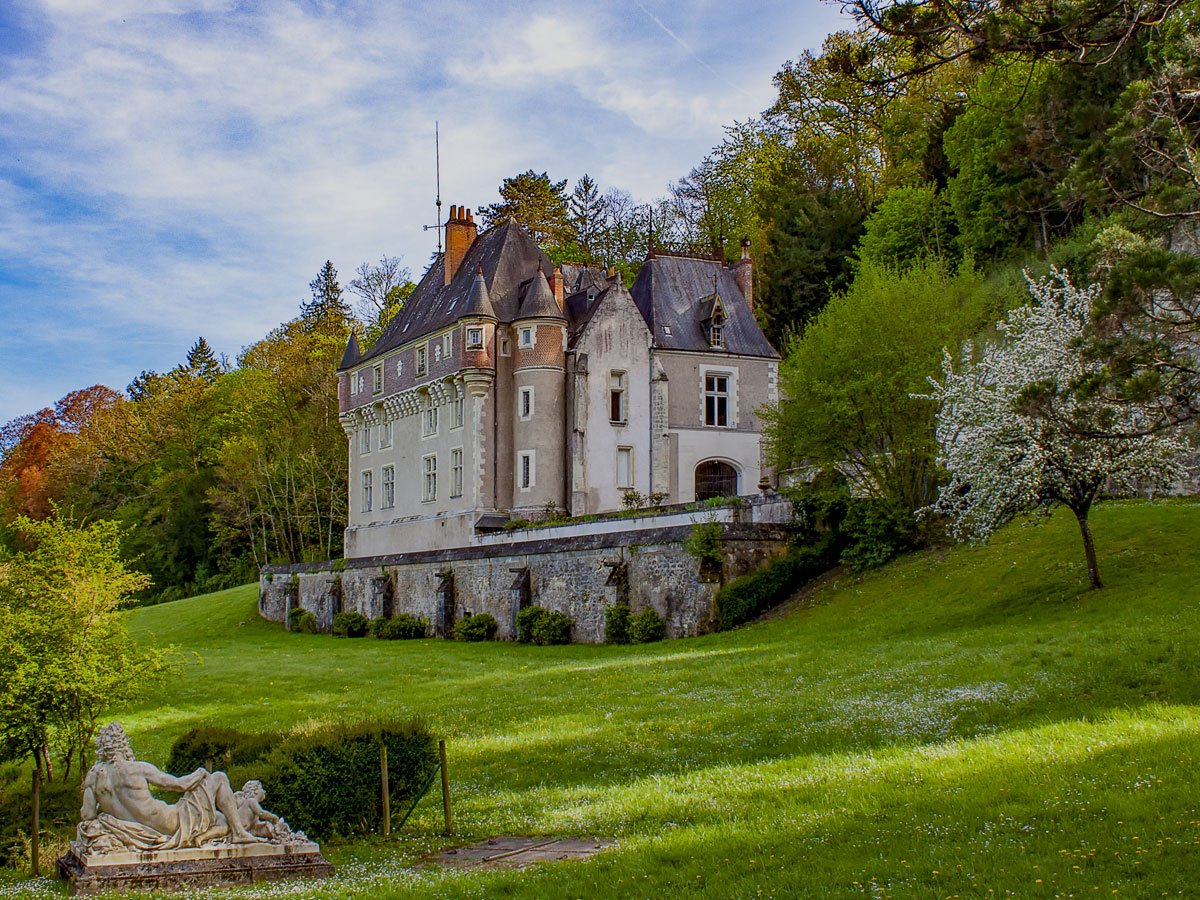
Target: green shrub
479,627
326,781
616,623
704,543
876,531
402,627
351,624
527,620
218,748
553,628
744,598
646,627
293,617
306,623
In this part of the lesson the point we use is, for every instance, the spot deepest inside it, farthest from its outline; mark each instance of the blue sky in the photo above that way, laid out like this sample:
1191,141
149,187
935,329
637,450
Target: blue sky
172,169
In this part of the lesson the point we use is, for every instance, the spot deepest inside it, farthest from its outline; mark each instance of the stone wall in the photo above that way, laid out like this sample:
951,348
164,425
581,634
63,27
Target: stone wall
579,576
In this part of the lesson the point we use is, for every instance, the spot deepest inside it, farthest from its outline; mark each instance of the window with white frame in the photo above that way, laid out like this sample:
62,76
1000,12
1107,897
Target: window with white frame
456,472
458,409
526,471
429,420
625,467
377,379
366,491
422,360
525,403
429,473
364,439
447,345
617,407
716,400
389,487
385,435
474,338
353,385
525,337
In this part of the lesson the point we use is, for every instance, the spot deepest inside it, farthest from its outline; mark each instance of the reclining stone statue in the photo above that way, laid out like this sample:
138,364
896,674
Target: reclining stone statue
121,814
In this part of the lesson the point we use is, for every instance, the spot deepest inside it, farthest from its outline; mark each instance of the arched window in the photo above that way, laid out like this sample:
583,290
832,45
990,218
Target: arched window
716,479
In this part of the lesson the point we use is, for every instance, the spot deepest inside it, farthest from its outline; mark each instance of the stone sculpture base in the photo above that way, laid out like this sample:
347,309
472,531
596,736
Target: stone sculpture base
195,868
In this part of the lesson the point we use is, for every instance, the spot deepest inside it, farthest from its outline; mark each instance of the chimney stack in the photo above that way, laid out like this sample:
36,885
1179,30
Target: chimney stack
743,273
460,234
558,285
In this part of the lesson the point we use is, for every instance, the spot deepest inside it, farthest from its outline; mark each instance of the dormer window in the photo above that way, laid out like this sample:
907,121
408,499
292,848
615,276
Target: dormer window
716,333
474,338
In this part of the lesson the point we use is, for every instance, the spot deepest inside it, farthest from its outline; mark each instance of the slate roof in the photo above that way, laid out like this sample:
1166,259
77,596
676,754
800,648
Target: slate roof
352,354
539,302
509,259
669,291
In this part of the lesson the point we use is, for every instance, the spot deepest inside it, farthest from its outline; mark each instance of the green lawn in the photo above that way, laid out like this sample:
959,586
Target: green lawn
967,723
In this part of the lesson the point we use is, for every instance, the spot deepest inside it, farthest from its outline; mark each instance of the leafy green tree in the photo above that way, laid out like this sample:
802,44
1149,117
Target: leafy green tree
911,223
67,654
537,203
848,379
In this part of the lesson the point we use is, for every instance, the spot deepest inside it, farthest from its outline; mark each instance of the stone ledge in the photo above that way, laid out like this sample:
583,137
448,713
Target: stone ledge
197,868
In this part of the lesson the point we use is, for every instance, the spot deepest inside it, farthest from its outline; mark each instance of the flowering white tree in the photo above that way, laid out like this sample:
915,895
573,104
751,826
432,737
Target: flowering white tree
1019,431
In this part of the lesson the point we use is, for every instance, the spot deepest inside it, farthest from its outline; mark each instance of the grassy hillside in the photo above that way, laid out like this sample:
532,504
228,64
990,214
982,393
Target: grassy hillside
968,723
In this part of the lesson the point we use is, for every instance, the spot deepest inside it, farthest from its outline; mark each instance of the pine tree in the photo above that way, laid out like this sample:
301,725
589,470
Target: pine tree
326,305
587,210
202,361
535,202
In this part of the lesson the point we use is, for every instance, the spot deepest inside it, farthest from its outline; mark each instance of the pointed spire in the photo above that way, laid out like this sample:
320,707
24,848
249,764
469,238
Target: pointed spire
352,354
539,299
479,301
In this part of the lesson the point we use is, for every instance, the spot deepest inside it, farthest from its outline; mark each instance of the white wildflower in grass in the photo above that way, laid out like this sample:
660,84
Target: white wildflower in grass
1020,430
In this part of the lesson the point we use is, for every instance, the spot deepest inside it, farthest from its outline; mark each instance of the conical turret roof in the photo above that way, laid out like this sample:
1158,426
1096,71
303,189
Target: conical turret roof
352,354
479,301
539,302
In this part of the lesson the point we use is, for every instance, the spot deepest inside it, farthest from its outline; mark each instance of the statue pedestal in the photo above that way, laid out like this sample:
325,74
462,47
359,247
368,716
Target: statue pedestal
190,869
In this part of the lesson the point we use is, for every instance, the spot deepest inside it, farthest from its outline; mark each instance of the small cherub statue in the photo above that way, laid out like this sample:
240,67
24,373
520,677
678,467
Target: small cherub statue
258,821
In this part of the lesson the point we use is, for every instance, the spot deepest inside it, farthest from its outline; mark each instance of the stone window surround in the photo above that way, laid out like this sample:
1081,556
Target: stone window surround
475,337
618,377
731,404
632,478
429,478
389,488
456,471
527,337
525,401
377,379
367,490
526,470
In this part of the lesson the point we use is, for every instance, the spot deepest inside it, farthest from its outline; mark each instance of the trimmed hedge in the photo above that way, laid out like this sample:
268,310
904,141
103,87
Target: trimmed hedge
218,749
402,627
351,624
537,625
325,780
479,627
616,623
750,595
646,627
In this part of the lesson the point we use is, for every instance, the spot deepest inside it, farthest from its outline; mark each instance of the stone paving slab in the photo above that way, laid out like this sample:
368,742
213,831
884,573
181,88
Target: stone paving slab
517,852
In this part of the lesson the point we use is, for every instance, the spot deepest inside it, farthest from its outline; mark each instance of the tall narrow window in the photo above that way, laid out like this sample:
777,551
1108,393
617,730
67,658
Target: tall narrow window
525,470
525,403
617,410
525,338
456,472
716,331
389,487
625,467
366,491
377,379
447,344
385,435
364,439
422,361
430,418
716,400
429,470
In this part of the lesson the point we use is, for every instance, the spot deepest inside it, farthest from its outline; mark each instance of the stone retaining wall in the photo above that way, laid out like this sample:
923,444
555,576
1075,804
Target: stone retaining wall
579,575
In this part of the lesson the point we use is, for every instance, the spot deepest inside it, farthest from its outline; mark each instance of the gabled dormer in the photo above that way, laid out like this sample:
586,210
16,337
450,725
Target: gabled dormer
713,316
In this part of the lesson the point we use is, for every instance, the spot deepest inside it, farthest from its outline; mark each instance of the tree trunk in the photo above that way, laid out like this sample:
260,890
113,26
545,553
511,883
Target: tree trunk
1089,548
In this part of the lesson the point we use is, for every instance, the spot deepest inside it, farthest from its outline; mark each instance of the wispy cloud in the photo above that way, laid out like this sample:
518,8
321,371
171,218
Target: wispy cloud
181,167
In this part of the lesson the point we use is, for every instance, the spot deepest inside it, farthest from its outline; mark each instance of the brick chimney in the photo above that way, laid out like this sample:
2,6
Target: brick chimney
743,273
558,285
460,234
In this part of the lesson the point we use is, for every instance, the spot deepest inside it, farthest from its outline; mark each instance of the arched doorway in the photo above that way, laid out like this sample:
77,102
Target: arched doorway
716,479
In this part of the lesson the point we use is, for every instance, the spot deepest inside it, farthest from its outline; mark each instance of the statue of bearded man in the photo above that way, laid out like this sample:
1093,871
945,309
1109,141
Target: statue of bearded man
120,814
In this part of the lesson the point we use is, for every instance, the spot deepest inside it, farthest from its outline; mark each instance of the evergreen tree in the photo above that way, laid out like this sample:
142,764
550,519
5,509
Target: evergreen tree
326,305
536,202
202,361
588,212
